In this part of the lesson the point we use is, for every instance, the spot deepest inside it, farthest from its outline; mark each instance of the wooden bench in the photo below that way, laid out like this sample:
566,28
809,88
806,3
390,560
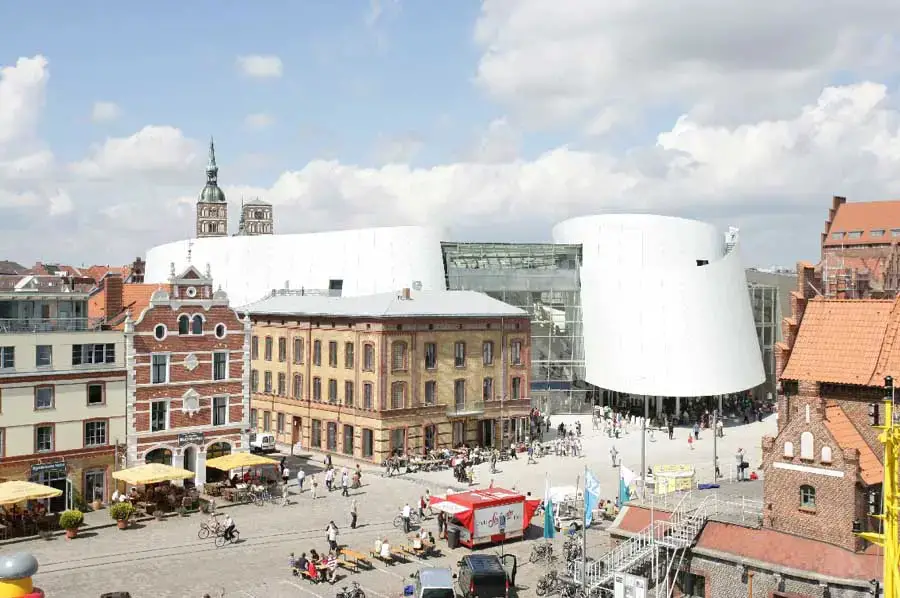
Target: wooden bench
357,558
304,574
399,554
377,555
349,565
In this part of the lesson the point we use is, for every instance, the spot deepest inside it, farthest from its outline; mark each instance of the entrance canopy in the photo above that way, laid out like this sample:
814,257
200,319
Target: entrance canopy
151,473
17,491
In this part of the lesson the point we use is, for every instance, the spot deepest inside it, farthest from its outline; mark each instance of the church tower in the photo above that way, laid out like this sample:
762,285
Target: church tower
256,218
212,209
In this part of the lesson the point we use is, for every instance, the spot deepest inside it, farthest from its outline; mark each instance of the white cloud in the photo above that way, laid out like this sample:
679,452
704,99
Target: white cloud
259,66
499,142
61,204
105,112
260,120
22,91
398,148
574,61
154,150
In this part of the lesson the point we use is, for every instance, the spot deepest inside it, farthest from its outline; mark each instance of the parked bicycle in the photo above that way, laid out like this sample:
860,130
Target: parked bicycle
413,519
209,527
221,540
354,592
571,590
541,552
261,497
547,584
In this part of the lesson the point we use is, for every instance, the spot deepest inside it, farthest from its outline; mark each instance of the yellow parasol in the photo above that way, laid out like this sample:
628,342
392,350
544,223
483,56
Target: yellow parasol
236,460
151,473
16,491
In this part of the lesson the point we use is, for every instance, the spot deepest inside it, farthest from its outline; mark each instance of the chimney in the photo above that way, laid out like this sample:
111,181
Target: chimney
404,294
113,287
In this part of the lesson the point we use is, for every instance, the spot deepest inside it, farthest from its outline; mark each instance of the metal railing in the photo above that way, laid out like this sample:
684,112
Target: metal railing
20,325
473,408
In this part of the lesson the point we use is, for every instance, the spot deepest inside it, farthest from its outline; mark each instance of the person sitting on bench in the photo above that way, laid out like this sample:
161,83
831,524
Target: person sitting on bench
385,551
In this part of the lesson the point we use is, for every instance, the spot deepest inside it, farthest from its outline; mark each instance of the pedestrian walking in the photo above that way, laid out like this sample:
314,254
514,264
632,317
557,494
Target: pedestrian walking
331,533
739,463
671,431
720,428
285,475
690,442
405,515
329,479
281,464
531,454
301,475
345,484
441,523
315,487
613,455
696,431
353,507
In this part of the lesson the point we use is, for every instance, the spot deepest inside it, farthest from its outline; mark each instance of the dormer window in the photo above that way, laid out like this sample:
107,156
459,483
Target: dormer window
184,324
895,232
854,234
876,233
837,236
197,325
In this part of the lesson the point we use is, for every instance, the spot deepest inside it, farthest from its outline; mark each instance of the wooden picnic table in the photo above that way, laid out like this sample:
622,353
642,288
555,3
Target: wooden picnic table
356,560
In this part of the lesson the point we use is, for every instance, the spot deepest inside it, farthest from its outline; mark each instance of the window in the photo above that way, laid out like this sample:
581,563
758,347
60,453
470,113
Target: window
8,357
267,382
220,331
367,395
331,438
220,365
516,388
459,393
254,419
806,446
348,356
398,355
282,350
184,324
789,450
93,354
837,236
254,380
159,332
219,411
267,421
895,232
159,368
826,454
369,357
487,353
43,397
282,384
398,440
430,356
268,348
348,440
315,433
332,391
159,416
317,352
431,392
254,347
43,439
197,324
317,389
94,433
516,350
398,395
279,423
298,350
94,484
348,393
96,393
43,356
332,353
430,435
807,497
487,389
368,443
298,386
459,354
877,232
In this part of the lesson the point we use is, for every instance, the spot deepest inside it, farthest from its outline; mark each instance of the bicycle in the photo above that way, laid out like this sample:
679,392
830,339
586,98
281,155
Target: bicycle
571,590
355,591
547,584
542,552
413,519
209,527
260,497
221,540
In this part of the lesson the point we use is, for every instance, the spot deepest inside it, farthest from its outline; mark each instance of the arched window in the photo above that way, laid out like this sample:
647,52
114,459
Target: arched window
197,325
184,324
789,450
807,450
398,355
826,454
218,449
807,497
160,455
398,395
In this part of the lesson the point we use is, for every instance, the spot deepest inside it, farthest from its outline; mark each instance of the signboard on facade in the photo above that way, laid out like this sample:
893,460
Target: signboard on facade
55,467
629,586
487,521
672,478
190,438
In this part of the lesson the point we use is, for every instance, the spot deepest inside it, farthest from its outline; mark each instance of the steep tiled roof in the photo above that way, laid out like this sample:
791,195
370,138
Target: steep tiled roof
847,437
864,217
136,297
839,341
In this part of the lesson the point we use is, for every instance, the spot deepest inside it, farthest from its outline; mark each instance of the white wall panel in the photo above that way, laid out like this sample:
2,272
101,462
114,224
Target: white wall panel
373,260
655,323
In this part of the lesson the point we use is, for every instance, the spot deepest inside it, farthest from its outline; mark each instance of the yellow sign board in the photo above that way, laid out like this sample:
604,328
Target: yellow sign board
672,478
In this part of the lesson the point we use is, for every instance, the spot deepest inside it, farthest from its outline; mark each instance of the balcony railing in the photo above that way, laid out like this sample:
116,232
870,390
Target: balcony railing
20,325
462,409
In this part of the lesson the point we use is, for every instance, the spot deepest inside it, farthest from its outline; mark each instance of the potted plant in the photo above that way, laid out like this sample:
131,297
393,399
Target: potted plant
70,521
121,512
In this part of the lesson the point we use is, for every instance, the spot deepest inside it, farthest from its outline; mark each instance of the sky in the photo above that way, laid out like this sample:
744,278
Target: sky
494,119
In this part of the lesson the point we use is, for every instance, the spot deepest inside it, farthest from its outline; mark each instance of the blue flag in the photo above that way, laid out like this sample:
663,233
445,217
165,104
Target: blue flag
591,496
549,528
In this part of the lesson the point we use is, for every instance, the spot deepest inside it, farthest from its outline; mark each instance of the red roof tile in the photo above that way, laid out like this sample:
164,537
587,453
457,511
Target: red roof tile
864,217
848,437
636,519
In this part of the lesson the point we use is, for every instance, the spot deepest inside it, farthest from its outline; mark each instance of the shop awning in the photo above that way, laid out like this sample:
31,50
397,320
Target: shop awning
16,491
451,508
151,473
238,460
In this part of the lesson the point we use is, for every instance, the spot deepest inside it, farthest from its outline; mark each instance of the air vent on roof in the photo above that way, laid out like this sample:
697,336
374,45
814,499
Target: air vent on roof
417,285
404,294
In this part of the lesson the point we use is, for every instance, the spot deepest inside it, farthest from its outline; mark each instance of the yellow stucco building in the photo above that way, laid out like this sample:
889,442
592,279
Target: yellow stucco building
408,371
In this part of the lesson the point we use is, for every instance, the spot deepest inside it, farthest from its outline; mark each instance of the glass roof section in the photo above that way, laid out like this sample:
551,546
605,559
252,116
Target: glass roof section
519,256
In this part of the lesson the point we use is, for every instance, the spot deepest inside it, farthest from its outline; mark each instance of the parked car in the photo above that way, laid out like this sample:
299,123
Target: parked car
486,575
432,582
262,443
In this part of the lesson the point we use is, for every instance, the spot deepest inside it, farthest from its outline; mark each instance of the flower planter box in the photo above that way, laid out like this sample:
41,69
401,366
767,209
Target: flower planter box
72,533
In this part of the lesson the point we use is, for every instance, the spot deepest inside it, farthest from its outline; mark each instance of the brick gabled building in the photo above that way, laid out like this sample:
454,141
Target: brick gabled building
188,391
823,470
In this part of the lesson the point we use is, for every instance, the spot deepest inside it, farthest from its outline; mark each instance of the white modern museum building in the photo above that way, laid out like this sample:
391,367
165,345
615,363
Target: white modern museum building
635,304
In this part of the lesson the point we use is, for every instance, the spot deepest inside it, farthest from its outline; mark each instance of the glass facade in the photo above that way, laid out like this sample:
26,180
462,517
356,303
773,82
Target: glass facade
544,280
764,301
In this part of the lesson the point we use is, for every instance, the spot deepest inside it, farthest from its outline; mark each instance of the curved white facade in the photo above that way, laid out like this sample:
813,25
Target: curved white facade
372,260
656,323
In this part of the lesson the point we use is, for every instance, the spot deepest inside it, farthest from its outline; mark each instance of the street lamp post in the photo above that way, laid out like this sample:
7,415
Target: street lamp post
715,431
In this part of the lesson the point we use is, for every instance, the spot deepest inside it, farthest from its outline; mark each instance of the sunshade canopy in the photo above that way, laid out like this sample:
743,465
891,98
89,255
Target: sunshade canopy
17,491
236,460
152,473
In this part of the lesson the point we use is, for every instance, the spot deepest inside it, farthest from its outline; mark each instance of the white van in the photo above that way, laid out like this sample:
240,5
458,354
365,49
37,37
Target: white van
262,443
